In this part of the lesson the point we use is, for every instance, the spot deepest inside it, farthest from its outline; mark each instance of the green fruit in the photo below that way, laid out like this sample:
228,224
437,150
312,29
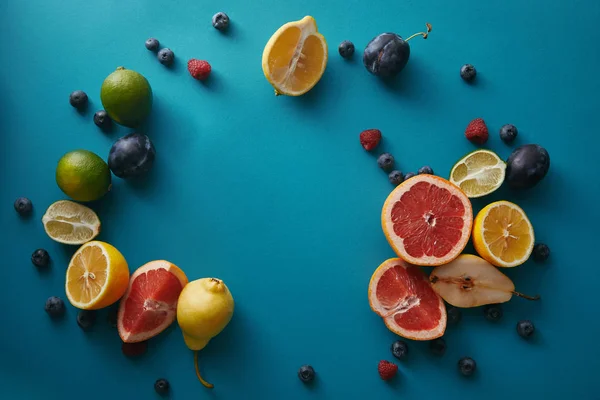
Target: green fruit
127,97
83,175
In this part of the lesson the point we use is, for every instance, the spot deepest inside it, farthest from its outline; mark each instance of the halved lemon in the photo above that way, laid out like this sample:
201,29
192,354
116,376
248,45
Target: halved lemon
478,173
295,57
97,276
71,223
503,235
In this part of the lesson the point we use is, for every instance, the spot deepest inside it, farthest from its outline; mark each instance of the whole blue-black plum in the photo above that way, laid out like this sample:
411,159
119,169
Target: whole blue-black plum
386,55
132,155
526,166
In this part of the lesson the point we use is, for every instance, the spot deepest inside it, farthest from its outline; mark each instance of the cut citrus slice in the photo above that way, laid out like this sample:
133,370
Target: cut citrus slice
295,57
478,173
71,223
402,295
97,276
150,303
427,220
503,235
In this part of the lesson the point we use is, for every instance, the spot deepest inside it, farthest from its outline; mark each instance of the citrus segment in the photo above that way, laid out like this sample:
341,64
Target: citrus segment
478,173
427,220
97,276
402,295
70,223
503,235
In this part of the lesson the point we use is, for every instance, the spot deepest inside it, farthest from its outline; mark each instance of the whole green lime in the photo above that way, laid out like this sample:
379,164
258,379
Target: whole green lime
127,97
83,175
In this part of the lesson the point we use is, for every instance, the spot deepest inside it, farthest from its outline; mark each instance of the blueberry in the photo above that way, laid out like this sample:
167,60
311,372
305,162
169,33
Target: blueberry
438,346
131,156
40,258
508,133
86,319
152,44
541,252
400,349
426,170
525,328
55,307
306,373
220,21
493,312
102,120
166,56
346,49
468,72
162,386
23,206
409,175
467,366
526,166
78,99
386,161
386,55
454,315
396,177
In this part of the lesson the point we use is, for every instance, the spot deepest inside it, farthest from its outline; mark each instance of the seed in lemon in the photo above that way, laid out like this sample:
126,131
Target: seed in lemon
503,235
478,173
70,223
83,175
295,57
97,276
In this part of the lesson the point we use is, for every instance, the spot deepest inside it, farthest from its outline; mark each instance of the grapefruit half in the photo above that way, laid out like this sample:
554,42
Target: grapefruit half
150,304
401,294
427,220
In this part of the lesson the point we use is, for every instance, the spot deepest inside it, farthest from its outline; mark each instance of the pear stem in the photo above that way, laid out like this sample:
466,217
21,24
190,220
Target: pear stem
536,297
206,384
424,34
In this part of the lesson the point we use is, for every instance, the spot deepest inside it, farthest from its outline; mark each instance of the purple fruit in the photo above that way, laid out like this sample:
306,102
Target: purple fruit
131,156
526,166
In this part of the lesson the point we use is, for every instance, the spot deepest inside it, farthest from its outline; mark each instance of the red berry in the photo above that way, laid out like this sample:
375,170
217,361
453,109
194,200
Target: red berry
370,138
134,349
477,132
387,370
199,69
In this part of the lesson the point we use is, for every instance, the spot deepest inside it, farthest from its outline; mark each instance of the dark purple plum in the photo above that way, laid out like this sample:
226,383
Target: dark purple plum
526,166
132,155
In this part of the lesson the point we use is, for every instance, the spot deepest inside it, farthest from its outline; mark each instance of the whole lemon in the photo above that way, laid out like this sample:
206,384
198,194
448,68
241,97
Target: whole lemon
83,175
127,97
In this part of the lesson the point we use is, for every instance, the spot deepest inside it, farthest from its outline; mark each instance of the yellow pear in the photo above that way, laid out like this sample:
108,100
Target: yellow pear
204,309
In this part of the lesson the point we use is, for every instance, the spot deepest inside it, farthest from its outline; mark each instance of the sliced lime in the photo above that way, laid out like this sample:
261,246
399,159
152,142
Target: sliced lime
478,173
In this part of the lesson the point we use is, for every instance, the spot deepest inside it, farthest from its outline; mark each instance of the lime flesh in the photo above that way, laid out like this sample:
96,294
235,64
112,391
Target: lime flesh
479,173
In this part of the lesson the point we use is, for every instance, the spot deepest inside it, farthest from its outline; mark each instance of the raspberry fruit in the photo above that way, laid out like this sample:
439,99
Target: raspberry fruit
370,138
387,370
199,69
477,132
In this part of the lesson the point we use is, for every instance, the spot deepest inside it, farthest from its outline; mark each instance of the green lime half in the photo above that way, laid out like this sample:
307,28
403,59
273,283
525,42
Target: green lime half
478,173
127,97
83,175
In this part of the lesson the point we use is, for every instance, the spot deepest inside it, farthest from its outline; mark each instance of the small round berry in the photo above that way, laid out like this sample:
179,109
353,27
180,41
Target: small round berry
396,177
468,72
525,328
493,312
386,161
306,373
78,99
220,21
55,307
346,49
400,349
102,120
152,44
40,258
162,386
467,366
426,170
438,346
409,175
541,252
166,56
86,319
454,315
23,206
508,133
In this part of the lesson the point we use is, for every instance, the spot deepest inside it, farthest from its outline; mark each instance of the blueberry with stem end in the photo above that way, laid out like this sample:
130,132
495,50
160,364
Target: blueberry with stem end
409,175
508,133
400,349
40,258
386,162
525,328
426,170
467,366
102,120
152,44
220,21
306,373
468,72
161,386
493,312
541,252
395,177
55,307
346,49
78,99
166,56
23,206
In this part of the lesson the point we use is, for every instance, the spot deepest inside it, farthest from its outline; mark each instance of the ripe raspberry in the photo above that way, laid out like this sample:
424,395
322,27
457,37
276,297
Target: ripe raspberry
387,370
477,132
199,69
370,138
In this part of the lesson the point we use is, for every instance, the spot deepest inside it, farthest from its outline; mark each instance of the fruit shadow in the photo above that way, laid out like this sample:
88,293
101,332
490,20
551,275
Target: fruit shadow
214,83
315,96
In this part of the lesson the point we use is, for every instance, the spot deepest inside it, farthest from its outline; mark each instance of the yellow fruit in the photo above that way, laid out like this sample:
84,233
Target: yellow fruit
70,223
503,235
295,57
204,309
97,276
478,173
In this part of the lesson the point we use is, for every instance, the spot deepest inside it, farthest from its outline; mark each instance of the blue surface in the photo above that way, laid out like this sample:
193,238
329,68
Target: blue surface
275,196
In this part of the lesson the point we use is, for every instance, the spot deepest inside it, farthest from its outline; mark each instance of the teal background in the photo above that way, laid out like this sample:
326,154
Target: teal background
275,195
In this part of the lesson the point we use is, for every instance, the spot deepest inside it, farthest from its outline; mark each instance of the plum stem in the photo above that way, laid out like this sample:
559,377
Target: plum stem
206,384
536,297
424,34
